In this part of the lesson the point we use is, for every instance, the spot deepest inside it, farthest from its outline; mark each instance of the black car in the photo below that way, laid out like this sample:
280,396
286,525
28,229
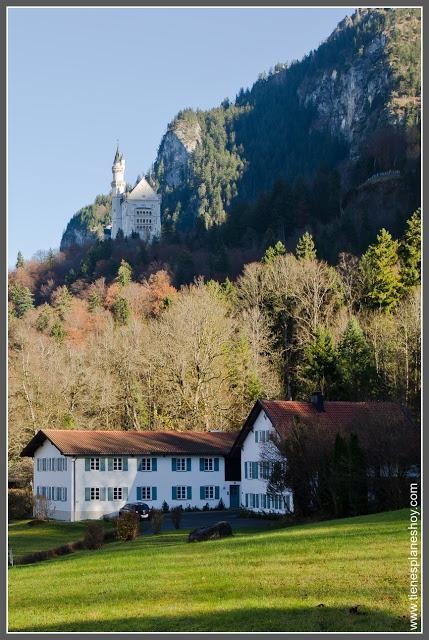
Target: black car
142,509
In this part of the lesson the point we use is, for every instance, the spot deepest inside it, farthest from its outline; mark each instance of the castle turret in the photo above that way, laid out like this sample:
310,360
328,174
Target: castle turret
118,188
118,171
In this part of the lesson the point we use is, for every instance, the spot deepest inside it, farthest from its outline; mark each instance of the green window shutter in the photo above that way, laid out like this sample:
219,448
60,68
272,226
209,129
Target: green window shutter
110,494
201,464
202,493
110,464
124,493
245,470
125,464
102,464
87,493
189,493
103,493
254,470
154,464
154,493
188,464
247,499
139,464
256,436
257,500
217,493
139,493
173,493
216,464
87,464
173,464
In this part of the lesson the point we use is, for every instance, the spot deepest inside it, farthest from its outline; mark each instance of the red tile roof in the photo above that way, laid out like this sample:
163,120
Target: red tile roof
75,442
337,417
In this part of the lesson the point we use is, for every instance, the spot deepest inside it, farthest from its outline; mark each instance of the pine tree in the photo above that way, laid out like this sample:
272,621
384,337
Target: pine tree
380,268
50,259
272,252
22,299
355,360
94,301
320,367
19,261
62,302
125,274
57,331
42,321
410,252
305,248
121,311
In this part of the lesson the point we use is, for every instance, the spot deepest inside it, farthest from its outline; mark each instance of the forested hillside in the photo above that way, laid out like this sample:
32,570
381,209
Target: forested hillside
329,144
144,355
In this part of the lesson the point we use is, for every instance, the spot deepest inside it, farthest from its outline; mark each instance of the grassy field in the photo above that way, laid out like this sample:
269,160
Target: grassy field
24,539
304,578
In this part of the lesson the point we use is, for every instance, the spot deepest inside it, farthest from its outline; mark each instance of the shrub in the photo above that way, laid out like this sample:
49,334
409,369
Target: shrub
127,526
20,504
156,520
110,536
206,507
94,535
165,507
221,505
176,516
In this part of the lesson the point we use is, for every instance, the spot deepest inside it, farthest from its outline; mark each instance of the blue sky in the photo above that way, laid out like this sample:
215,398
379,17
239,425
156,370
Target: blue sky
81,78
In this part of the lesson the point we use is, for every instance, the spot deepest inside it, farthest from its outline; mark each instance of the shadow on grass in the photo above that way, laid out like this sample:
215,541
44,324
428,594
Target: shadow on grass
246,619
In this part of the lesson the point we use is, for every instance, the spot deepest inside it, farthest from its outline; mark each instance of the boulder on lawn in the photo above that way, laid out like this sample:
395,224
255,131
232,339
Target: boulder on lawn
218,530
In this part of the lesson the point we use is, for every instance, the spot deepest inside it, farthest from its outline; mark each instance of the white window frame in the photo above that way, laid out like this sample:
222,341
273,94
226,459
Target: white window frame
181,491
208,464
117,465
94,464
145,464
117,493
180,464
209,493
94,493
146,493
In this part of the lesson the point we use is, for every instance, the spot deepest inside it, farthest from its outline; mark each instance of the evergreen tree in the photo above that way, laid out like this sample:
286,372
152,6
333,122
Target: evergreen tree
121,311
272,252
410,252
125,274
340,477
320,368
355,360
19,260
22,299
94,301
42,321
57,331
380,267
305,248
358,493
50,259
62,302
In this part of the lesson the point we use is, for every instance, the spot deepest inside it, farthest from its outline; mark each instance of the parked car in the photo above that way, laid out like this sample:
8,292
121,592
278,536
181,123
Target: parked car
141,508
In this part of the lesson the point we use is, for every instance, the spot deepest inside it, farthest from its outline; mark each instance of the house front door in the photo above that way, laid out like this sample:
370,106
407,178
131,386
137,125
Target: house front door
234,496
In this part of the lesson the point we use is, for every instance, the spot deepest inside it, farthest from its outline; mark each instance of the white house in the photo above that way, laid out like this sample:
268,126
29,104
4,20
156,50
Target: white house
137,211
89,474
258,453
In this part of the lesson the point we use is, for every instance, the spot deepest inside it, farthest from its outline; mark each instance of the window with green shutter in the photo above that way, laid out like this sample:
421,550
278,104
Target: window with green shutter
202,492
154,464
188,464
201,464
216,493
173,493
216,464
189,493
87,464
87,493
173,464
154,493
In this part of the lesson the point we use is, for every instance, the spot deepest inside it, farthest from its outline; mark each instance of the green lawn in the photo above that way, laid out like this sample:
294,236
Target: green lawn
24,539
302,578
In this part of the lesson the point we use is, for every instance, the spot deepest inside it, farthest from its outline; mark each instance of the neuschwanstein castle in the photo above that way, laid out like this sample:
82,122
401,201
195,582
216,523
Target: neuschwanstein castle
137,211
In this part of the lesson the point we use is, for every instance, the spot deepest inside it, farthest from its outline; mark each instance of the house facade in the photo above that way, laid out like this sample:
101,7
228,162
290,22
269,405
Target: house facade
91,474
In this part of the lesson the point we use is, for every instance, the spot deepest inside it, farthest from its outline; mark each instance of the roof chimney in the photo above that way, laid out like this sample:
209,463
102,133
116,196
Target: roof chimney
317,400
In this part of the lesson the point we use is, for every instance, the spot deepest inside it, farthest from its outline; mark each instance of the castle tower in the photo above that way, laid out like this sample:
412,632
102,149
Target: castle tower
118,188
118,171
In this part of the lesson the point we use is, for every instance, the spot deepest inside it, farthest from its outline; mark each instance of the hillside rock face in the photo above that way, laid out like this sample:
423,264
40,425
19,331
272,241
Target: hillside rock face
176,150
